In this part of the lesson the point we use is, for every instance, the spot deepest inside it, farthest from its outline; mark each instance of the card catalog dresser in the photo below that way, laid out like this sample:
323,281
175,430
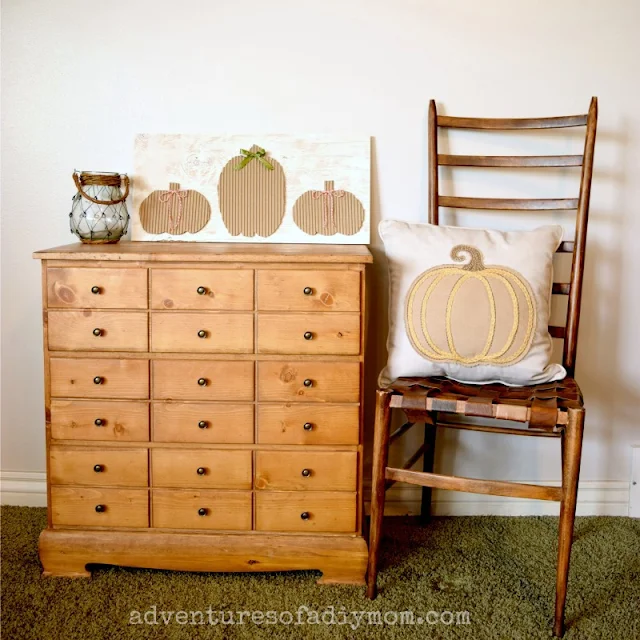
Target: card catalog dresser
204,407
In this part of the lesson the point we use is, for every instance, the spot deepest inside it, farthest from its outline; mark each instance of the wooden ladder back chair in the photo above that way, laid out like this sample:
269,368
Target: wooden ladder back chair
552,410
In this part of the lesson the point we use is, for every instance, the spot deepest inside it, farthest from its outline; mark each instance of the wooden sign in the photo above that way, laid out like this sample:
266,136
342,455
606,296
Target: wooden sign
261,188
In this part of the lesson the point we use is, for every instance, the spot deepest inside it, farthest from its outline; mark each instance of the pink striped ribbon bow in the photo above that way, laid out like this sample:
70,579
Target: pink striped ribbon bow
328,213
169,196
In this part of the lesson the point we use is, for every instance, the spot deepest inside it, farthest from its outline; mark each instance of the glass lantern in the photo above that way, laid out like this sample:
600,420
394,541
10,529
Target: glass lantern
99,211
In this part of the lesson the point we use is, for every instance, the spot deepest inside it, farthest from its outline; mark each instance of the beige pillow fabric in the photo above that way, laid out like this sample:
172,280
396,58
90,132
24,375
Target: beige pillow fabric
470,304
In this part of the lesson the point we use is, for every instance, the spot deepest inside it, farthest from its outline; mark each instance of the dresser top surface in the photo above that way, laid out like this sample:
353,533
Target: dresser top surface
209,252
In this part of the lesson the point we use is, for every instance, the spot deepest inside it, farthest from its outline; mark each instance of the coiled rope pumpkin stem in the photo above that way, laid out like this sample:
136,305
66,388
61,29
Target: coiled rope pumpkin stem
475,263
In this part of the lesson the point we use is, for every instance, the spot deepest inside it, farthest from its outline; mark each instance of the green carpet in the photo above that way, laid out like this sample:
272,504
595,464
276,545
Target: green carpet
500,570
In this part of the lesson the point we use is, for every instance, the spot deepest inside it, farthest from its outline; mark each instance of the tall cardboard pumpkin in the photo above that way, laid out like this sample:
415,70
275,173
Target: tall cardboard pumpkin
175,211
328,212
471,314
251,193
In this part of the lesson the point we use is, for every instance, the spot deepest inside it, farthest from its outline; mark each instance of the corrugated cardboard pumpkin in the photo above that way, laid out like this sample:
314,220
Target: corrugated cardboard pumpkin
328,212
175,211
252,194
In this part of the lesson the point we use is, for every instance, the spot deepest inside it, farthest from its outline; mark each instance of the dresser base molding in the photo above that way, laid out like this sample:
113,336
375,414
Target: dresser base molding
66,553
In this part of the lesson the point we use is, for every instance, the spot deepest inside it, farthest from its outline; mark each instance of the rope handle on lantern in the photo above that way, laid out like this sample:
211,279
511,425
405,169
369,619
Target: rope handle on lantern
102,181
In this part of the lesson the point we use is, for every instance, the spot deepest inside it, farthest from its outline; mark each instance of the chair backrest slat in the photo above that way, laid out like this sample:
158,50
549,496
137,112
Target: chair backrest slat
509,204
572,289
507,124
509,161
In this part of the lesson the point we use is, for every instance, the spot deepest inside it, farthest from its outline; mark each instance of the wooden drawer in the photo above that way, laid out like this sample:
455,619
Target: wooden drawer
98,331
73,287
309,333
308,424
202,332
206,289
325,381
306,470
203,423
99,378
325,511
76,506
308,290
100,420
179,380
220,469
98,466
222,510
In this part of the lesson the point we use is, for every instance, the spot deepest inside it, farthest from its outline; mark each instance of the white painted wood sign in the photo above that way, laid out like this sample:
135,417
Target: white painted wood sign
259,188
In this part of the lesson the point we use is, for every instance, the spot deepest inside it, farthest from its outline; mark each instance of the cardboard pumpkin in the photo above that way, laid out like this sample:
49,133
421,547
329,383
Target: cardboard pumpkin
328,212
471,314
251,193
175,211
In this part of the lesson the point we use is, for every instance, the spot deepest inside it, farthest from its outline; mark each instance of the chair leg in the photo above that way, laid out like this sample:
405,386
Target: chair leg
427,466
571,453
380,458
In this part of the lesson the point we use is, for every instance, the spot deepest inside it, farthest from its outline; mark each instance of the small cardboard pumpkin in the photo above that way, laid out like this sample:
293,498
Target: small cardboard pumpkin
175,211
252,194
471,314
328,212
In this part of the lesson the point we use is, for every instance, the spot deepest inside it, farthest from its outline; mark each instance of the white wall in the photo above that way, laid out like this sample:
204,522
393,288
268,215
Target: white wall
80,78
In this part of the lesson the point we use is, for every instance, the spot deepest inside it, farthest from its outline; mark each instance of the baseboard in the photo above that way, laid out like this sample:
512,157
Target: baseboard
23,488
594,499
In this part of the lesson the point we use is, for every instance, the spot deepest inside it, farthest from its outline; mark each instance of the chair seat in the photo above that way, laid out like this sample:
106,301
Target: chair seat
543,406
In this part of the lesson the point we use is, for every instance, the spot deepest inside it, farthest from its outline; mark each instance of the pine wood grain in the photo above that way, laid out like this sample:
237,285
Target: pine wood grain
74,378
118,420
224,510
69,287
223,332
309,333
224,289
327,511
223,423
118,467
326,424
223,469
326,470
330,382
186,252
329,290
118,331
77,506
226,381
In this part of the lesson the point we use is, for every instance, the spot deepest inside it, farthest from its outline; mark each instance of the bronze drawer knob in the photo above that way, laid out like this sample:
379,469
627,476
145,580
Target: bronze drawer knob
98,380
201,471
201,291
98,468
101,508
307,426
203,424
99,422
308,335
203,512
307,291
202,333
95,290
202,382
305,515
306,473
308,383
97,332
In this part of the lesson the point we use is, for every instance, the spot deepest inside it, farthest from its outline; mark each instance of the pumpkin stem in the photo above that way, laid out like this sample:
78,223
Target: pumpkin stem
475,264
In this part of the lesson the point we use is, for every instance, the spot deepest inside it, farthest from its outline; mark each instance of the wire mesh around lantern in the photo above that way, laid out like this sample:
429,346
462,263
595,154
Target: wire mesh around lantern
99,212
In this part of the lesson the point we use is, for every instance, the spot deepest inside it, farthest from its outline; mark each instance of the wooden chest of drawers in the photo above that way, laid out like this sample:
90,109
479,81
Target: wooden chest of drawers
204,407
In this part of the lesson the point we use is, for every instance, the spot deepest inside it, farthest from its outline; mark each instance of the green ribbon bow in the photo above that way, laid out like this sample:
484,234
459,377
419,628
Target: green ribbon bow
250,155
